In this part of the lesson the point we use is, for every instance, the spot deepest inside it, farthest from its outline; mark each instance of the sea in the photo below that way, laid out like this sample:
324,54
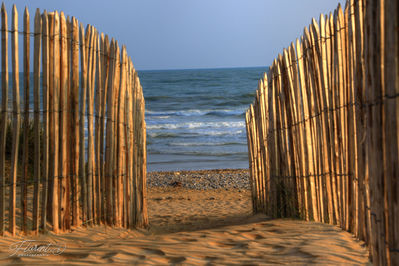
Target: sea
196,117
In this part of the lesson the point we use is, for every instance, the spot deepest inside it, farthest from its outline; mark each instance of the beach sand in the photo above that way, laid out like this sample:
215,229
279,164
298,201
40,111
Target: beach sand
205,227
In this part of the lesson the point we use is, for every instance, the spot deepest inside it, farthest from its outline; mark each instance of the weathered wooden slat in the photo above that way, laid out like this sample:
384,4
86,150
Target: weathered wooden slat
122,136
320,34
4,103
391,112
109,147
90,103
16,120
36,99
117,171
25,148
46,133
76,188
98,140
363,198
144,220
307,149
316,76
56,123
63,122
128,165
133,196
82,152
51,114
69,129
351,120
250,161
272,143
104,51
312,111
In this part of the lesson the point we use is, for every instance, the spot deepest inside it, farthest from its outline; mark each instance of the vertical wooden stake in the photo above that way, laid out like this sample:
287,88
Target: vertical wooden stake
82,153
16,119
25,151
46,133
63,172
36,98
4,103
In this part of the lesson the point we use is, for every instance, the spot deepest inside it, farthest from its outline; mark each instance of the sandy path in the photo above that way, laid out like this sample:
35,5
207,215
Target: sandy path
201,227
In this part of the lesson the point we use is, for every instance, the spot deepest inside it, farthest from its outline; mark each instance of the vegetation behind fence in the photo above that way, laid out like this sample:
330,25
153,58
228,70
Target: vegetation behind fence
323,131
86,128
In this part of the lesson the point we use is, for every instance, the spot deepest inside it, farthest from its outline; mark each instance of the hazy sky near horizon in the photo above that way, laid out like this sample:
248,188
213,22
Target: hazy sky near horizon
179,34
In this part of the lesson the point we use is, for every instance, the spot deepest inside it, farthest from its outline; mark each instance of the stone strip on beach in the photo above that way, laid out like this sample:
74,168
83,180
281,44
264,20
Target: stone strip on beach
201,179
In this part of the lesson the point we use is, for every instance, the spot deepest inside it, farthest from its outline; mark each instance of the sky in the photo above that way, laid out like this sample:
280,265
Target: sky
181,34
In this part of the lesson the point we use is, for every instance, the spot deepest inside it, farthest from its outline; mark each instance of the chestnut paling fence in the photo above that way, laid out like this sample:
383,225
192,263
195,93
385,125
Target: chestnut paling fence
323,130
84,160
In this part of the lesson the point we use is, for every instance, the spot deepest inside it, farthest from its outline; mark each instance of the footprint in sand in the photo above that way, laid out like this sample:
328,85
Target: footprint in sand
175,260
109,255
154,251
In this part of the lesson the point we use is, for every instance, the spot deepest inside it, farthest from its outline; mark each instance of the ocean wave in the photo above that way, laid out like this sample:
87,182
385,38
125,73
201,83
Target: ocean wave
191,144
197,112
198,125
201,153
163,135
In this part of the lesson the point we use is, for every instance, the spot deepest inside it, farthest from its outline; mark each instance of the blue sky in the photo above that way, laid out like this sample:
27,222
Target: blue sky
179,34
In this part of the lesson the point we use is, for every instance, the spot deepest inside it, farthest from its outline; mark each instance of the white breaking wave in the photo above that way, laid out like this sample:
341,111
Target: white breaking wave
198,112
197,125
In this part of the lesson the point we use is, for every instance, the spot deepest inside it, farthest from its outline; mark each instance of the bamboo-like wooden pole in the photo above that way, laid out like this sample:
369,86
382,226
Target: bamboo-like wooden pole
36,99
351,121
109,148
314,42
265,140
291,131
90,156
272,143
134,196
46,122
117,171
16,120
128,165
63,123
4,103
308,167
104,51
364,212
69,124
144,220
98,113
312,111
326,98
75,124
391,127
56,122
25,148
122,136
251,161
82,152
343,100
93,178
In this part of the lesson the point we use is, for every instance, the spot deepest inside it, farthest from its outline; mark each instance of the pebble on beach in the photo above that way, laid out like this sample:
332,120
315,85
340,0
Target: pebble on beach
201,179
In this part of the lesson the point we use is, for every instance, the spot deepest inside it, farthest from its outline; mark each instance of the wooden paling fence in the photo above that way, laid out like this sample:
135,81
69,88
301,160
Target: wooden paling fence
88,147
323,130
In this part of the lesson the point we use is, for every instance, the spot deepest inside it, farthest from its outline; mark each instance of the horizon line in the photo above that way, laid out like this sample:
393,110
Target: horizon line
201,68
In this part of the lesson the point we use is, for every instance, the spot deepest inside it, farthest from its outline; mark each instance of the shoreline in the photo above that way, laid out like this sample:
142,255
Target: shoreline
200,179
